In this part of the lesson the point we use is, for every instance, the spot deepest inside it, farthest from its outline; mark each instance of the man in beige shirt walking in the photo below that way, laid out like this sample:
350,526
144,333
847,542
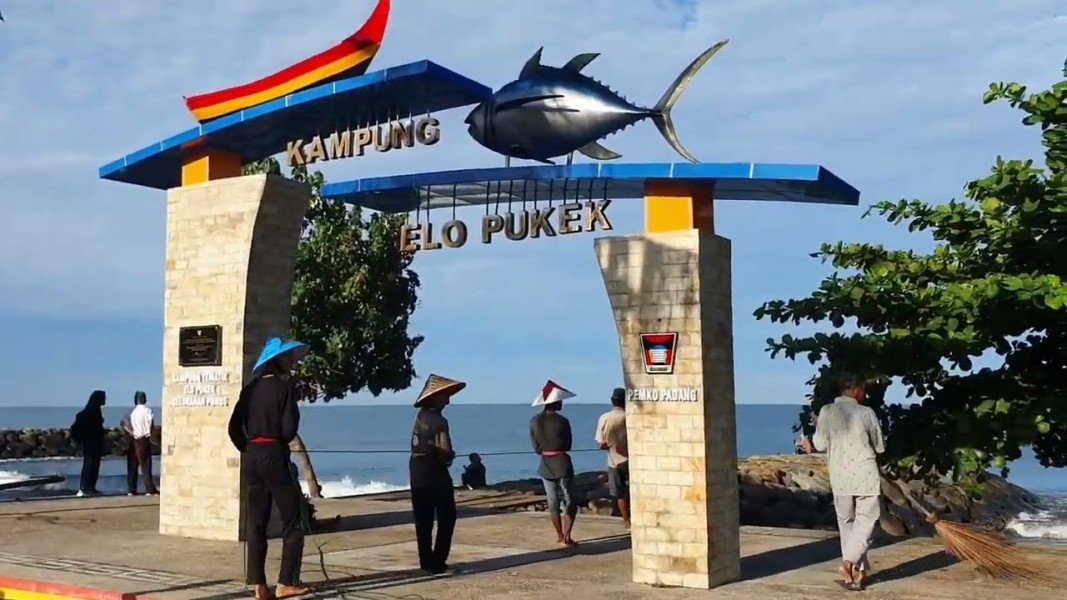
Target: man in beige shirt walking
850,435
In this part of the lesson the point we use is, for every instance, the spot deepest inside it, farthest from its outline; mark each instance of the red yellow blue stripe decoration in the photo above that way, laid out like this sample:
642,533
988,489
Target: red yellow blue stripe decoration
350,58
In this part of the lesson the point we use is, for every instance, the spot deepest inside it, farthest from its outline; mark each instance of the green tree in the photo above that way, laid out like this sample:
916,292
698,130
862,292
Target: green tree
994,286
353,297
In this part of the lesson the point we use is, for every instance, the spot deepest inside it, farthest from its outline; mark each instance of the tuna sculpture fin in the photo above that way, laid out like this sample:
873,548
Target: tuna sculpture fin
580,61
661,113
532,65
520,102
597,152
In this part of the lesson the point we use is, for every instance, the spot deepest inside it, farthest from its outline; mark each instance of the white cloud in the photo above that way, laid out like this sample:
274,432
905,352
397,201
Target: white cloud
885,94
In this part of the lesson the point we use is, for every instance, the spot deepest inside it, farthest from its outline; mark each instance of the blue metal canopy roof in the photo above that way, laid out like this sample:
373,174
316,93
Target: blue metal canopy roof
264,130
475,187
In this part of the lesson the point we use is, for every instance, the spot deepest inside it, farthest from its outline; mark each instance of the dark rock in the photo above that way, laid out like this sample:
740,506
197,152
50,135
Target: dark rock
602,506
891,492
936,502
892,525
41,443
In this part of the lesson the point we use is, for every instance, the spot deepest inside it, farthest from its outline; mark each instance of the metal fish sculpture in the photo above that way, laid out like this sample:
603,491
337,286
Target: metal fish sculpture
554,111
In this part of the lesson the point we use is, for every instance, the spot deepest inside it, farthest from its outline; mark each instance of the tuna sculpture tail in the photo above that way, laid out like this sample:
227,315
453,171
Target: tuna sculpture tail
661,113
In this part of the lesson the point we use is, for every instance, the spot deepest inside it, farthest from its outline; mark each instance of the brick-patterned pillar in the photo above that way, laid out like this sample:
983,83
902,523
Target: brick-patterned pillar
683,455
231,251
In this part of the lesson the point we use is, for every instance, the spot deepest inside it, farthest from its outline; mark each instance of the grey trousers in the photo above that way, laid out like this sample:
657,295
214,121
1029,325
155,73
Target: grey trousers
856,518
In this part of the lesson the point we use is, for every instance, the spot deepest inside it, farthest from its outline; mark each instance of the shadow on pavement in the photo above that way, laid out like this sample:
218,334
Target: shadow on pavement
933,561
791,558
346,523
334,586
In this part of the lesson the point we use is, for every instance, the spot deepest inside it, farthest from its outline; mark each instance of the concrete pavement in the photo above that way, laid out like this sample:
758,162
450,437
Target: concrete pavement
112,544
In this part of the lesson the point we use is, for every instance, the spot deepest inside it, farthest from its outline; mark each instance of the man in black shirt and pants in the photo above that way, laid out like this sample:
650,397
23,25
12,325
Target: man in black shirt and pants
264,421
432,492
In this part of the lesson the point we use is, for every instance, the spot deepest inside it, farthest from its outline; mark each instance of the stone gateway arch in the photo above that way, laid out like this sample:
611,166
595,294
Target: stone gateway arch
231,243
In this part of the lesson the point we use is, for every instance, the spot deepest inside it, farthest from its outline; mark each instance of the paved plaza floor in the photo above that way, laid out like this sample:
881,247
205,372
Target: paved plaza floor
112,544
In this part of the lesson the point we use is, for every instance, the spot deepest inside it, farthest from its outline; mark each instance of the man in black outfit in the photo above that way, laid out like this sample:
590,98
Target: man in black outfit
263,423
432,492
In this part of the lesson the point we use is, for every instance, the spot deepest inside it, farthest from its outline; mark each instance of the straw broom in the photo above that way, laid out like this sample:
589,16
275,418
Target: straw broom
990,552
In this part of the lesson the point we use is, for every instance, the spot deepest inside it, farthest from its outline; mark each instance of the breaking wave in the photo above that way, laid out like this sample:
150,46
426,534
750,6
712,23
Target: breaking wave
116,484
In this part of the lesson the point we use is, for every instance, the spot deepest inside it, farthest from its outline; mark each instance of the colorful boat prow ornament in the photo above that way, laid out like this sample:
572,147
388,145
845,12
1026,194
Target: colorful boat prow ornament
350,58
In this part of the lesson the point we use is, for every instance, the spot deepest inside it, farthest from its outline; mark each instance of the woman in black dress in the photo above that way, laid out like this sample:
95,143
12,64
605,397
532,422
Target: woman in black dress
88,432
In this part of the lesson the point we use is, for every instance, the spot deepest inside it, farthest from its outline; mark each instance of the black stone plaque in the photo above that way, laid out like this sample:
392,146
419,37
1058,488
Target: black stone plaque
200,346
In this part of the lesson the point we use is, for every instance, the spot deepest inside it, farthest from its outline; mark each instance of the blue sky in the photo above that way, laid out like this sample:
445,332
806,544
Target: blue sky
886,95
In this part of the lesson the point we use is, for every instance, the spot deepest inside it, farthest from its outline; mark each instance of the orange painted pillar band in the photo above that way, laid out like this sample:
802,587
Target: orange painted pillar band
207,164
672,205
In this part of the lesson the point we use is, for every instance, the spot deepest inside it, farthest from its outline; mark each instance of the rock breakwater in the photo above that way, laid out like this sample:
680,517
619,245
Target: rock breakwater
50,443
793,491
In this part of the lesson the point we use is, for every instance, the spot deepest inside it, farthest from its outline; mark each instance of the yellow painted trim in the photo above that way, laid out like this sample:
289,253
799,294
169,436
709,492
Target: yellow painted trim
201,166
13,594
294,85
679,206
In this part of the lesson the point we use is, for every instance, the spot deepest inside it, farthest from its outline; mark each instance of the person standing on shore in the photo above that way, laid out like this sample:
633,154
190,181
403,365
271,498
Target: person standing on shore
550,435
611,436
433,495
850,434
88,431
139,425
264,421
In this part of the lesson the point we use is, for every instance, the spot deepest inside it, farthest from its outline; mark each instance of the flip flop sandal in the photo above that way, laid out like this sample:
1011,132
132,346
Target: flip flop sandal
861,582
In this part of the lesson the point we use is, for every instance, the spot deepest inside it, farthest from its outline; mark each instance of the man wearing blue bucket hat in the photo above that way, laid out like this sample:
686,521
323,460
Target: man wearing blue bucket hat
264,421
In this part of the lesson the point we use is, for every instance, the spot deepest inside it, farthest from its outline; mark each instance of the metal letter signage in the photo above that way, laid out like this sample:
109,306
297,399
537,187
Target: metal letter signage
663,395
659,351
201,388
395,135
547,222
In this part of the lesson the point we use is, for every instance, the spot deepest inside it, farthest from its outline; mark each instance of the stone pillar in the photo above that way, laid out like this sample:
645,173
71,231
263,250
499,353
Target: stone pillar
683,451
231,252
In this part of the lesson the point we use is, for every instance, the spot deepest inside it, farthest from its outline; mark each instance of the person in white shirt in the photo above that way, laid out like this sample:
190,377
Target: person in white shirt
850,435
138,426
611,436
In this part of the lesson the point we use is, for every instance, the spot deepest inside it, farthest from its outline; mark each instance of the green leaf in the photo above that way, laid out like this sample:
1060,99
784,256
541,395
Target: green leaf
1013,283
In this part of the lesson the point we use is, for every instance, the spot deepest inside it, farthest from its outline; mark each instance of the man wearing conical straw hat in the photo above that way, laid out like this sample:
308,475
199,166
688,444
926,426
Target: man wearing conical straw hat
432,492
264,421
550,435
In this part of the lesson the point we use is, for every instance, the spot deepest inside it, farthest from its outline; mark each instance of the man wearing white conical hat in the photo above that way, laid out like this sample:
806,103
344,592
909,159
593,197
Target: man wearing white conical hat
432,492
550,435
